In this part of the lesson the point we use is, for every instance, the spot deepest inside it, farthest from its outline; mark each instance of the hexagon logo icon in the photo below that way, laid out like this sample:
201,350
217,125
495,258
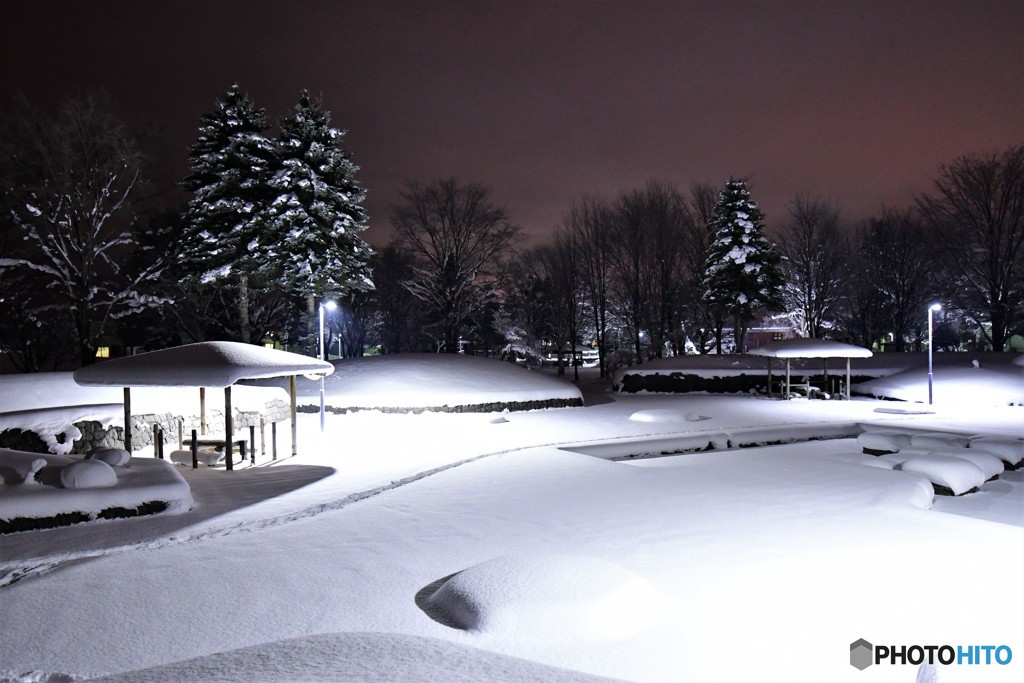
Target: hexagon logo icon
861,652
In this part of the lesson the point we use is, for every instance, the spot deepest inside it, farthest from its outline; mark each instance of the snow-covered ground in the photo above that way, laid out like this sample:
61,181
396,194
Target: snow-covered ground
507,546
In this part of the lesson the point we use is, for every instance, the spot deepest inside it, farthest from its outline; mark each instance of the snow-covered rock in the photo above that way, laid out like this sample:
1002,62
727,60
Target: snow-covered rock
937,440
87,474
115,457
1010,450
956,474
883,442
988,463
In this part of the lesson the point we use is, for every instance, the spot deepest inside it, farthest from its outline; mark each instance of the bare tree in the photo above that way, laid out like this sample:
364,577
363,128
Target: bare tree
814,246
591,223
457,239
977,210
903,262
698,318
70,183
397,310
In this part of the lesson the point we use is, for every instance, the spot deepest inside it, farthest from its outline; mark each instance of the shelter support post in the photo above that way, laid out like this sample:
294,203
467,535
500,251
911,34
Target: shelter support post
195,451
128,419
202,410
787,379
847,379
295,430
227,429
769,377
273,439
824,374
252,444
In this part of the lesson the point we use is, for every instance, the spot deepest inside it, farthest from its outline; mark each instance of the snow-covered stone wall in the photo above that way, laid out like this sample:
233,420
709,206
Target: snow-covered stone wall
83,436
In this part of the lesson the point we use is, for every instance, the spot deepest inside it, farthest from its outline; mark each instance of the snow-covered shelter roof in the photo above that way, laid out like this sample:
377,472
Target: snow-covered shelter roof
205,364
810,348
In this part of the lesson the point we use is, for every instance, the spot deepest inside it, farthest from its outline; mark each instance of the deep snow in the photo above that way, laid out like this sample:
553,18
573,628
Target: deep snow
742,564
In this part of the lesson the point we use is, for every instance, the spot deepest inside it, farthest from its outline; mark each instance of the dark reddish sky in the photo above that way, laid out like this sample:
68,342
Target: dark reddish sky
855,101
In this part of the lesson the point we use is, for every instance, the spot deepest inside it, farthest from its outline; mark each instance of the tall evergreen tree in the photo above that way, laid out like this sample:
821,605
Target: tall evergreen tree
742,273
230,166
317,214
312,242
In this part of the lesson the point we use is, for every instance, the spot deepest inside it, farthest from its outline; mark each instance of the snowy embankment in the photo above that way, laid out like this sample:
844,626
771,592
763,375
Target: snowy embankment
443,382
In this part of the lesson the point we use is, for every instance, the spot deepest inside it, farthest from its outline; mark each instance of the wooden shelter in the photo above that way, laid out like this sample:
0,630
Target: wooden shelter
824,349
218,364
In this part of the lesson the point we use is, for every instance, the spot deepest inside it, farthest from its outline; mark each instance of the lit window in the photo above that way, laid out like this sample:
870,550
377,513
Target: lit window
103,352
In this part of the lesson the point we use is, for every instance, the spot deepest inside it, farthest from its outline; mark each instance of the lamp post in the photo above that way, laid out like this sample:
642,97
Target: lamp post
931,313
330,306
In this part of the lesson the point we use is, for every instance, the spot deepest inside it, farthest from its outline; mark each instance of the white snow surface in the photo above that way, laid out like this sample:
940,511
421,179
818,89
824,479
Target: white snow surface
316,567
204,364
421,380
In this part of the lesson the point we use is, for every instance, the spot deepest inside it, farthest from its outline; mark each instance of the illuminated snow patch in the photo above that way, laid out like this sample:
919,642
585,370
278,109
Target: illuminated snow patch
548,596
666,415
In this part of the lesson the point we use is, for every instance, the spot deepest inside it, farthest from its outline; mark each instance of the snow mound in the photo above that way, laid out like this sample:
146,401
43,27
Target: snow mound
1010,450
88,474
936,440
436,380
115,457
883,442
988,463
955,474
548,596
666,415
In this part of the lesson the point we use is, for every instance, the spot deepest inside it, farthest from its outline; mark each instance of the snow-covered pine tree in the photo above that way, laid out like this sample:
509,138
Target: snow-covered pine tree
230,166
742,273
317,213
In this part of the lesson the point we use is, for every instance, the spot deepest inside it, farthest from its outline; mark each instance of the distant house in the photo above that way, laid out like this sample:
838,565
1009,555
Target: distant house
759,336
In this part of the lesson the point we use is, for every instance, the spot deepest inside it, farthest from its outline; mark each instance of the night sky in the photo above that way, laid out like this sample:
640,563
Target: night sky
858,102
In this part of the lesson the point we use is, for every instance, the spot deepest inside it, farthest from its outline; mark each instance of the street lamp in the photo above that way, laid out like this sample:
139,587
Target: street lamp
931,312
330,305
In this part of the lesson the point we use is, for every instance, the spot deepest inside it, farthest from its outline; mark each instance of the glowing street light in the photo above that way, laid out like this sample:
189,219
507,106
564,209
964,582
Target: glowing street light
330,305
931,313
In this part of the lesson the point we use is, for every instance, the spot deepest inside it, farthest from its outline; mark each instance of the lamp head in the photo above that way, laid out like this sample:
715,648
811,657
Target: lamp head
935,307
330,304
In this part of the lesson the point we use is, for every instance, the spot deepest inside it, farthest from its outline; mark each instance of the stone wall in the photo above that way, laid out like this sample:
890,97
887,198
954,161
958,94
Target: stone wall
95,435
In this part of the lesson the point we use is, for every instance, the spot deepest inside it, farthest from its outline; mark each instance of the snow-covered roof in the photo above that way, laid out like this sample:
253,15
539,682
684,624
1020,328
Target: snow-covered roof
810,348
206,364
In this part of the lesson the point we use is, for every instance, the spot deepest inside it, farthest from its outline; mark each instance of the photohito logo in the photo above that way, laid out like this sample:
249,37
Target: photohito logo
863,654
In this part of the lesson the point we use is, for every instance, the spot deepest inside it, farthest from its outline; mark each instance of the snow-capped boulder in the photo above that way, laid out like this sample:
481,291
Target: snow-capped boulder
205,457
990,464
1010,450
937,440
548,596
876,443
115,457
87,474
955,475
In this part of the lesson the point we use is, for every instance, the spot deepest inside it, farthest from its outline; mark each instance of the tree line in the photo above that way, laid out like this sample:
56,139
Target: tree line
273,221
